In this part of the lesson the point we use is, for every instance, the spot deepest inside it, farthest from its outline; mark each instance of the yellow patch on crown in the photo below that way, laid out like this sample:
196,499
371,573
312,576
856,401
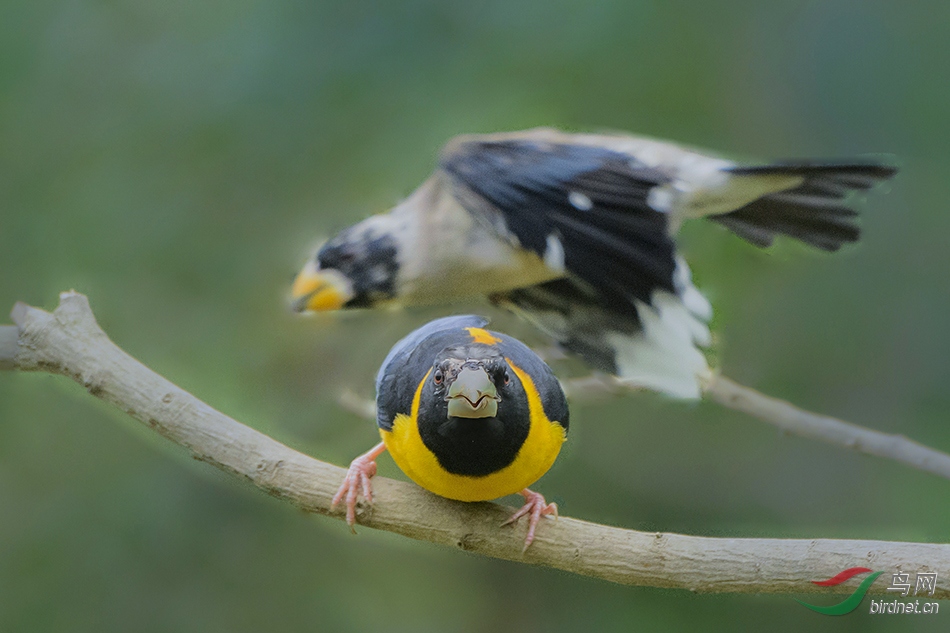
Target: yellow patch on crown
482,336
535,457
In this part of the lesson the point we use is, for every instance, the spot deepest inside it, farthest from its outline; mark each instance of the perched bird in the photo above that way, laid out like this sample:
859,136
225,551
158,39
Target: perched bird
468,414
575,232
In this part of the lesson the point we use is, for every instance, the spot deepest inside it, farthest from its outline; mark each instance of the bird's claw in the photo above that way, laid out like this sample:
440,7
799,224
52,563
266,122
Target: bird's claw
357,480
535,507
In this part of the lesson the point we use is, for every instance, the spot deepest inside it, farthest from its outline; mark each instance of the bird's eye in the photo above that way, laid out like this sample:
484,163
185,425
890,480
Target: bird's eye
507,378
438,377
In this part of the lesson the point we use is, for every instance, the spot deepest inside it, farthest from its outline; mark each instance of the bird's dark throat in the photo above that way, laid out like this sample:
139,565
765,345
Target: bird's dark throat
475,447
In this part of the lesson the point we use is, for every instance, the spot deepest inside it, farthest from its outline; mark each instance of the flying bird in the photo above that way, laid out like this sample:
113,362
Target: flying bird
575,232
468,414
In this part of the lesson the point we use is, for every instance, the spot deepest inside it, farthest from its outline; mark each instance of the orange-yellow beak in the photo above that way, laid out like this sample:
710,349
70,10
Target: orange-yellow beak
319,290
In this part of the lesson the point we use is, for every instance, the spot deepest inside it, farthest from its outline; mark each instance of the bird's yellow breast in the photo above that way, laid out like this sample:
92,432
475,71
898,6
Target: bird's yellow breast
535,457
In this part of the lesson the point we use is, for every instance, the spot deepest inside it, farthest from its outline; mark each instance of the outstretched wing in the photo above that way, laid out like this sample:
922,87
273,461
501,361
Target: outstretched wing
625,303
585,209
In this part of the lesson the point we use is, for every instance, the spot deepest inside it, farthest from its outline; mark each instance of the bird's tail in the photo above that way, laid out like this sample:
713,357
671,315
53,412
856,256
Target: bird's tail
817,211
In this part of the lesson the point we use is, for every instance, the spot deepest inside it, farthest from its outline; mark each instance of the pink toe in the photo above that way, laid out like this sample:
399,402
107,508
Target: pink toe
358,479
536,507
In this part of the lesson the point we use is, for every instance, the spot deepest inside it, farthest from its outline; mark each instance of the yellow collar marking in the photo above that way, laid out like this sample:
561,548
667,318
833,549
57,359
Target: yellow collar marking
482,336
535,457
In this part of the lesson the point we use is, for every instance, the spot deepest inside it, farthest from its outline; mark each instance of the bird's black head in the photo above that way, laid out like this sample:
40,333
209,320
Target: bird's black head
473,410
355,269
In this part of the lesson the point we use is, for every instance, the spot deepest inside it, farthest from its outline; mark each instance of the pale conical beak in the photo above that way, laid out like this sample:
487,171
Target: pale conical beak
319,290
473,395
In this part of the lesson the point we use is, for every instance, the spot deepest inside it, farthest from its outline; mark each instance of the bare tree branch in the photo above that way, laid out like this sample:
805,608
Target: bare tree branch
70,342
787,417
795,421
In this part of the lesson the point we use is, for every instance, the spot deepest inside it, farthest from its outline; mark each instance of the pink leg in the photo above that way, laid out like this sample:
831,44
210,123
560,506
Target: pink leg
536,507
357,478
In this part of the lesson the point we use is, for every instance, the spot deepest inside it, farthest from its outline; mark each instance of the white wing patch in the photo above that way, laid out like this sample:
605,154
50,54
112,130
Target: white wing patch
691,297
661,199
554,253
579,201
665,356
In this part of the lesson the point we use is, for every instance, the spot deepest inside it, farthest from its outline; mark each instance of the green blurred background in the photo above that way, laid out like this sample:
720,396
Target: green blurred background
177,161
